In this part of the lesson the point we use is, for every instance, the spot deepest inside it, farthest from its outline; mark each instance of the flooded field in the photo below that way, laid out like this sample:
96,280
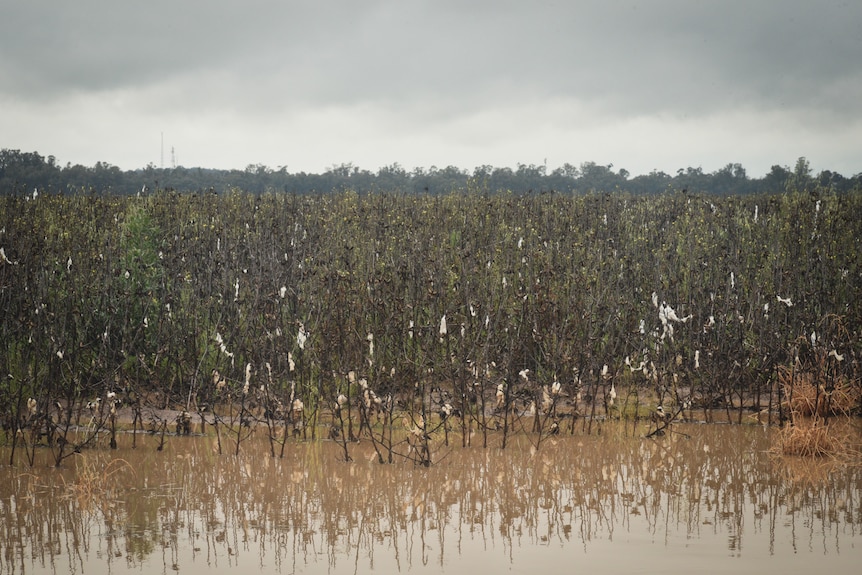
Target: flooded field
705,498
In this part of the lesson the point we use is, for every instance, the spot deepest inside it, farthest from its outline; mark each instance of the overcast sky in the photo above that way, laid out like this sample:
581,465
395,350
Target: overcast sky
643,85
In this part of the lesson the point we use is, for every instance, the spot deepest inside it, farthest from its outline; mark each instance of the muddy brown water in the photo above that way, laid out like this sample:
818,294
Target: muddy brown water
704,499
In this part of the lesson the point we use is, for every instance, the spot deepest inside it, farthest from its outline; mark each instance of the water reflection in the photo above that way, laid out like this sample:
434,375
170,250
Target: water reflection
710,496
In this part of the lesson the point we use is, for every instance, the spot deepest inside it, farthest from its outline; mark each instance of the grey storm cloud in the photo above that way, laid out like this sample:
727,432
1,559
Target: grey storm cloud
678,55
443,60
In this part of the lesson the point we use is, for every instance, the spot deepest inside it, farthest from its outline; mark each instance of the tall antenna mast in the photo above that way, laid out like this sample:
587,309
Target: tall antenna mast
162,164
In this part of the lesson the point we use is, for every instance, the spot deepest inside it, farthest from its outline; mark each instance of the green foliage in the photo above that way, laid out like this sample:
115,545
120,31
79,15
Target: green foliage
139,243
24,173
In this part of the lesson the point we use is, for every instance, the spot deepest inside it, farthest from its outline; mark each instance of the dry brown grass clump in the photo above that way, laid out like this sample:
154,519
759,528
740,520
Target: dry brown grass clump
819,409
811,437
807,395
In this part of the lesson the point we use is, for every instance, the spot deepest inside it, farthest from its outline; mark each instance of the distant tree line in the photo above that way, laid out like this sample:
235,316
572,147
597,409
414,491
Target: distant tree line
24,172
